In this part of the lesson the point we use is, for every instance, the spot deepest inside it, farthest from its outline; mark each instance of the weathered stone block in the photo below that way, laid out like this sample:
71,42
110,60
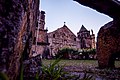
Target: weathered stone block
18,20
32,67
108,41
108,44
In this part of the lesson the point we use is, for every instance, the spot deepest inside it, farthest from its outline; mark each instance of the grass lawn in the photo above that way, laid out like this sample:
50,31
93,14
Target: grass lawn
81,63
80,66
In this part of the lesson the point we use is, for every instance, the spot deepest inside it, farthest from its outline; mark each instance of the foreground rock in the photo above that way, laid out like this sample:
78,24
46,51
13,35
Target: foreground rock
32,67
18,20
108,41
108,44
108,7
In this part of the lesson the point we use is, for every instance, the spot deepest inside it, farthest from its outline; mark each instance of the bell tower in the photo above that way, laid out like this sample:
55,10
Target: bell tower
41,42
41,21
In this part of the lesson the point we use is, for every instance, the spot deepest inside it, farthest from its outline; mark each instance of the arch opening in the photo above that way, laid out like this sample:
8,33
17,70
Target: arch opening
99,8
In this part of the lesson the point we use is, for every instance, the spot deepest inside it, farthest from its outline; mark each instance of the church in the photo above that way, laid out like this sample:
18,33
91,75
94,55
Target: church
86,40
64,38
48,44
61,38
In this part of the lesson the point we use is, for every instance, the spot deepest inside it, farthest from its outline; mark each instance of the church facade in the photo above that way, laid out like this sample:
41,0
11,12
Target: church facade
63,37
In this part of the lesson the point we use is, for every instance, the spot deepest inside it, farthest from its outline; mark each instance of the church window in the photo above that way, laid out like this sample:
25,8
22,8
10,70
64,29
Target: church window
74,39
53,35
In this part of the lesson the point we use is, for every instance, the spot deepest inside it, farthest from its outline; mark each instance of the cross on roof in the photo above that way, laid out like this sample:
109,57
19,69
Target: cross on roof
64,23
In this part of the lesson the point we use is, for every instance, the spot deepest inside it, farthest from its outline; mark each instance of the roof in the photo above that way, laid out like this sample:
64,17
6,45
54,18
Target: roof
63,28
82,29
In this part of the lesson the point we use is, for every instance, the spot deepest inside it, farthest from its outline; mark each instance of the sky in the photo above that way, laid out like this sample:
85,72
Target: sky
74,14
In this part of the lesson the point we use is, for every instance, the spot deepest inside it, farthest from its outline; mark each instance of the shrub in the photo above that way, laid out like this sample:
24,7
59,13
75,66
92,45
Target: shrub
65,53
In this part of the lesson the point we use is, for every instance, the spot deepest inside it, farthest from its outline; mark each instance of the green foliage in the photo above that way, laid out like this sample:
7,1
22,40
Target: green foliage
3,76
89,51
55,72
65,52
37,77
70,53
52,72
92,51
21,76
21,72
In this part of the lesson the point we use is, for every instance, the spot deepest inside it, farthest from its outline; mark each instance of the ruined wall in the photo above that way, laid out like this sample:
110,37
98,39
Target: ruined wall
41,38
18,20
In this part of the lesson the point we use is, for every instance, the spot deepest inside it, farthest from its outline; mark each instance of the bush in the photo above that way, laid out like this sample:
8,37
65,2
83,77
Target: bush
88,53
65,53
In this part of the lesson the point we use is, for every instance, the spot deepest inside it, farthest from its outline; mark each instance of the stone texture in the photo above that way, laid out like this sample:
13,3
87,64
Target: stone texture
87,40
32,67
18,20
108,44
40,45
61,38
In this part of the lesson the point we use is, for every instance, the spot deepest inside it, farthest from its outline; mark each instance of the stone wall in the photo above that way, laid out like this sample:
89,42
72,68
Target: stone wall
61,38
18,20
32,67
87,40
41,39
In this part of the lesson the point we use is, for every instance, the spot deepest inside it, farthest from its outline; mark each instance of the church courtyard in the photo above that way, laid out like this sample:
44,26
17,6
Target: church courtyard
79,67
80,63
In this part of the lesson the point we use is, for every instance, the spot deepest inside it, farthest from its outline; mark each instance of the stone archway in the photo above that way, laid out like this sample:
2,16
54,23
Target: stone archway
108,40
